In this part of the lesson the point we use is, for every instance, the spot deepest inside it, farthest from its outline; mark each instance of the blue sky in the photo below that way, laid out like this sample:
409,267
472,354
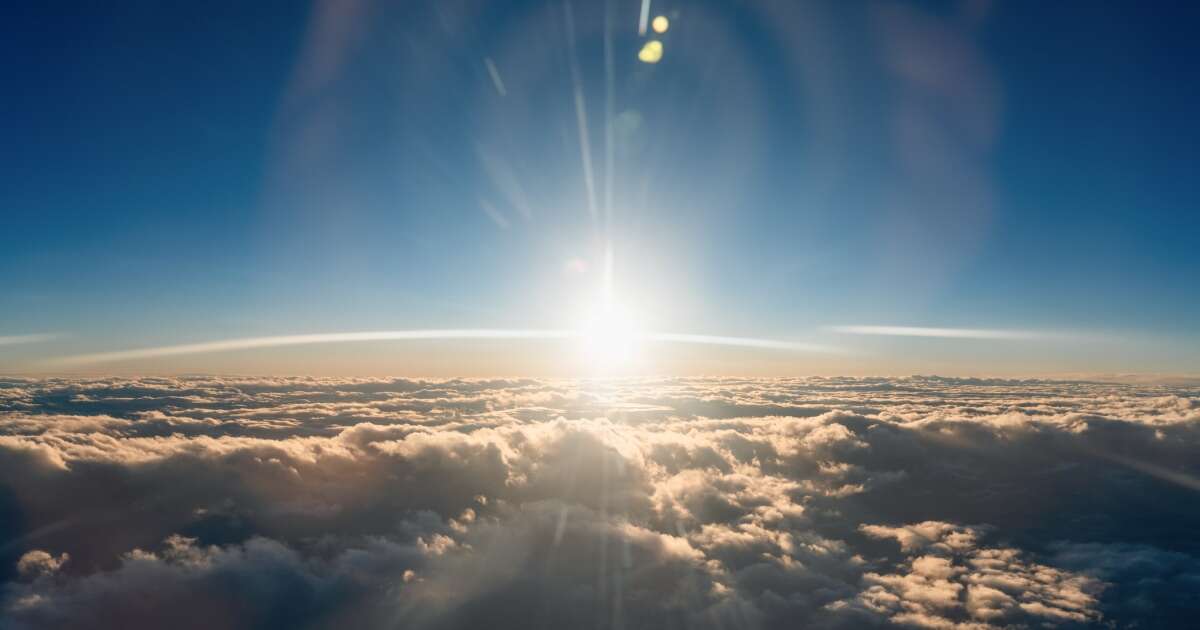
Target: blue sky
177,174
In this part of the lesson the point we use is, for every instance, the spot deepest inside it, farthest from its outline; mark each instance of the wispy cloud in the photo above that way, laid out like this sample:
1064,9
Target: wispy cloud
12,340
948,333
251,343
743,342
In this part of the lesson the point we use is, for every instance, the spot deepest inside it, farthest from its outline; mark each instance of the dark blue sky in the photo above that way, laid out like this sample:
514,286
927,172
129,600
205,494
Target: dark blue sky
177,173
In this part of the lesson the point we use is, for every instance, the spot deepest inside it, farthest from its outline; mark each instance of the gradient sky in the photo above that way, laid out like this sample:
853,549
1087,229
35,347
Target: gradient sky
185,173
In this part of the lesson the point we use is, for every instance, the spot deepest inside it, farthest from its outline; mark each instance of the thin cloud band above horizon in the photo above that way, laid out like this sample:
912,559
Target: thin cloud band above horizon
948,333
250,343
12,340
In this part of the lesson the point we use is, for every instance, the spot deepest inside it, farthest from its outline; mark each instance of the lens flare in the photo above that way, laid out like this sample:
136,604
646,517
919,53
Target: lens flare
651,52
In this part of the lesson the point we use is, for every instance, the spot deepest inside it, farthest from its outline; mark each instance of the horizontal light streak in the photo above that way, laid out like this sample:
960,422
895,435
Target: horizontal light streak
12,340
743,342
947,333
251,343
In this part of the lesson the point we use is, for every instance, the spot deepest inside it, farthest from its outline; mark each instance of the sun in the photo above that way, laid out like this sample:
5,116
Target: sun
609,336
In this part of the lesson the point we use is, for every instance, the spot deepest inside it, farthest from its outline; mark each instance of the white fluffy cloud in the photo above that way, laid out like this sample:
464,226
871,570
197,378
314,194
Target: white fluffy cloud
927,502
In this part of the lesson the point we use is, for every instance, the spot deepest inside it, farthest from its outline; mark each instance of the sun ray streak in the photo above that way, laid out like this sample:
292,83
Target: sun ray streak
609,107
585,146
609,149
644,17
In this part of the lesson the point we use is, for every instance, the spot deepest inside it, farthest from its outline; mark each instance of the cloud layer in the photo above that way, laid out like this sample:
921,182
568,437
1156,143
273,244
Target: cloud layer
667,503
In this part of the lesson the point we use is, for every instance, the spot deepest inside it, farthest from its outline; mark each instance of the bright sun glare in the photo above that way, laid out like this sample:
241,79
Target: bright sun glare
609,336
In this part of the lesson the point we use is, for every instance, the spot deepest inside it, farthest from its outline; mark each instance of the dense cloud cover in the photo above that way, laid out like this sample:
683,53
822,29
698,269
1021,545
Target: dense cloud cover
665,503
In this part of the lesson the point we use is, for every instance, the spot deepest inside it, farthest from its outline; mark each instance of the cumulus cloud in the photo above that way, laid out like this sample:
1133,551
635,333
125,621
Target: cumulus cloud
37,563
948,580
826,502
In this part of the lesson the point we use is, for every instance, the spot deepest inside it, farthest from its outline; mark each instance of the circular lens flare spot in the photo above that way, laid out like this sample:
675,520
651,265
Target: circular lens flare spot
651,52
660,24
